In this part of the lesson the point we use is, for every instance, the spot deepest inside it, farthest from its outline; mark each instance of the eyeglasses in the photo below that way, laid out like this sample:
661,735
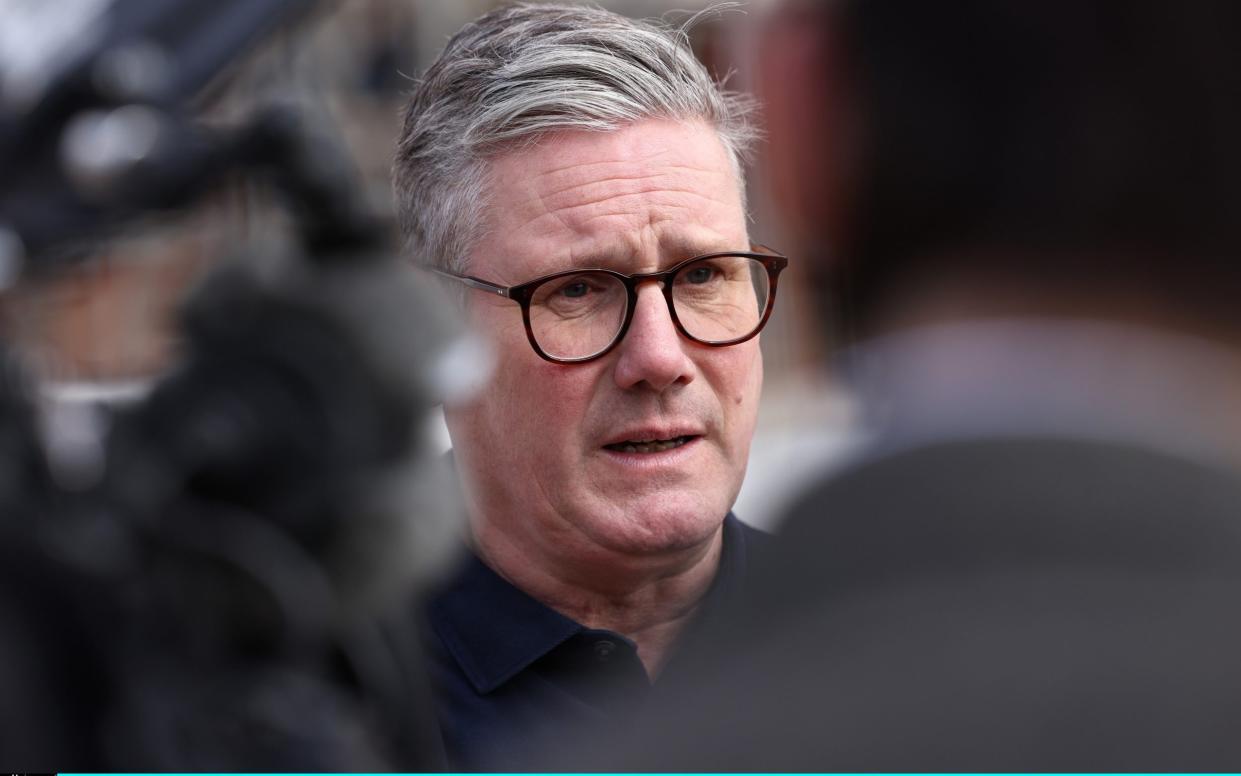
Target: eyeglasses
571,317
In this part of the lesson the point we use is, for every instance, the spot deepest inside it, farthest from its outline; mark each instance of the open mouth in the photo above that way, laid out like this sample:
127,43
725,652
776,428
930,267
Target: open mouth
649,445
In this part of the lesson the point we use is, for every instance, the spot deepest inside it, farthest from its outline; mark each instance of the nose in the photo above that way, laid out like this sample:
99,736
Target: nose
653,353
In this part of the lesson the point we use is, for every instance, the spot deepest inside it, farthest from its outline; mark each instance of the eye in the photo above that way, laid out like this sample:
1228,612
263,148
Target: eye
574,290
700,274
579,294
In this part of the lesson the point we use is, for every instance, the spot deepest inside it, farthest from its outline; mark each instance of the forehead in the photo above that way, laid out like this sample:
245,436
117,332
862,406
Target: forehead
635,199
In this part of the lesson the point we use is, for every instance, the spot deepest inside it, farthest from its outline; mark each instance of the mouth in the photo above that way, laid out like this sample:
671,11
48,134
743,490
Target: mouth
648,445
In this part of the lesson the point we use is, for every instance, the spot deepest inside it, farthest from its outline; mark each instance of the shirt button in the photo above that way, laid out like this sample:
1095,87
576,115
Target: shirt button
604,650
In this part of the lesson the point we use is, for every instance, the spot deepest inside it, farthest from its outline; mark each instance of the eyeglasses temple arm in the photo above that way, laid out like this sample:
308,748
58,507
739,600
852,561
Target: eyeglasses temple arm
760,248
473,282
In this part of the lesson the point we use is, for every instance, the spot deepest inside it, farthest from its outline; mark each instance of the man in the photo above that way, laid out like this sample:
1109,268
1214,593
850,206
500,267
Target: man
578,176
1036,564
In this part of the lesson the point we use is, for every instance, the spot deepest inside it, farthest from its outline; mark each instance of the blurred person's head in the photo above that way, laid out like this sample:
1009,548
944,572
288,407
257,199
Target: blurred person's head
554,138
1033,592
977,158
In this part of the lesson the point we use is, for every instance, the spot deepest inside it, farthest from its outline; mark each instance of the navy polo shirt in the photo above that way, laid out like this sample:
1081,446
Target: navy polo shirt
512,677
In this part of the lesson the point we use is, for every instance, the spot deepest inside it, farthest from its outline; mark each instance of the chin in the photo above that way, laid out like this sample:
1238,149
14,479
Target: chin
668,525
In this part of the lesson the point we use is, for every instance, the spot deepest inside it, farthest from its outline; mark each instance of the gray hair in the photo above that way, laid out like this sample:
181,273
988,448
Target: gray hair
522,71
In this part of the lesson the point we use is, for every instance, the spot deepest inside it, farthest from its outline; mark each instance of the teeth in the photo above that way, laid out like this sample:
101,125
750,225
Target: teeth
654,446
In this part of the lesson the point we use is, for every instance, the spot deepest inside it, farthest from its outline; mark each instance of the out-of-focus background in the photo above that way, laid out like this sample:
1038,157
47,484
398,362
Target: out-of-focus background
104,327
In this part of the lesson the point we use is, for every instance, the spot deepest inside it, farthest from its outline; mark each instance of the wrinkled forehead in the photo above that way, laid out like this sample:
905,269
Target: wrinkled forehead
646,195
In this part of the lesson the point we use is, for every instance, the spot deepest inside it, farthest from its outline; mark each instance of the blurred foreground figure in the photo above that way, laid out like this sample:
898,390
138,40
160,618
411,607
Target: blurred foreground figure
1032,211
213,576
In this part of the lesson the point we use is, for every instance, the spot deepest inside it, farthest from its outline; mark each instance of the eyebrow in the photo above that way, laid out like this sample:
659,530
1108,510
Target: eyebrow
675,252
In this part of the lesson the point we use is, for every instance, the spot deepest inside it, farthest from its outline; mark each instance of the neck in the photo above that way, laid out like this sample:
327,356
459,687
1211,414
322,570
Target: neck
648,598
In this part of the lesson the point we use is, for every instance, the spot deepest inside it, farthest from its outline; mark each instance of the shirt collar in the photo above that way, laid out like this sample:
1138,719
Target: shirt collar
492,629
495,631
730,576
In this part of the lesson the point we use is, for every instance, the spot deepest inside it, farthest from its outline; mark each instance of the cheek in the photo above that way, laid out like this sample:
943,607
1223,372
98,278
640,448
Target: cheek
485,423
516,366
748,404
517,431
745,412
754,371
736,375
743,375
541,403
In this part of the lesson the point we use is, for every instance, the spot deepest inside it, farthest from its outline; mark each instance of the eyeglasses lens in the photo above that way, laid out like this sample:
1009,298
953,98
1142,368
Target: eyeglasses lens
721,298
578,315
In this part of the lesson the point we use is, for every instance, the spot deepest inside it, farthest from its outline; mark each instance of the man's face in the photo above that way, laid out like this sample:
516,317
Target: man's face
539,445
